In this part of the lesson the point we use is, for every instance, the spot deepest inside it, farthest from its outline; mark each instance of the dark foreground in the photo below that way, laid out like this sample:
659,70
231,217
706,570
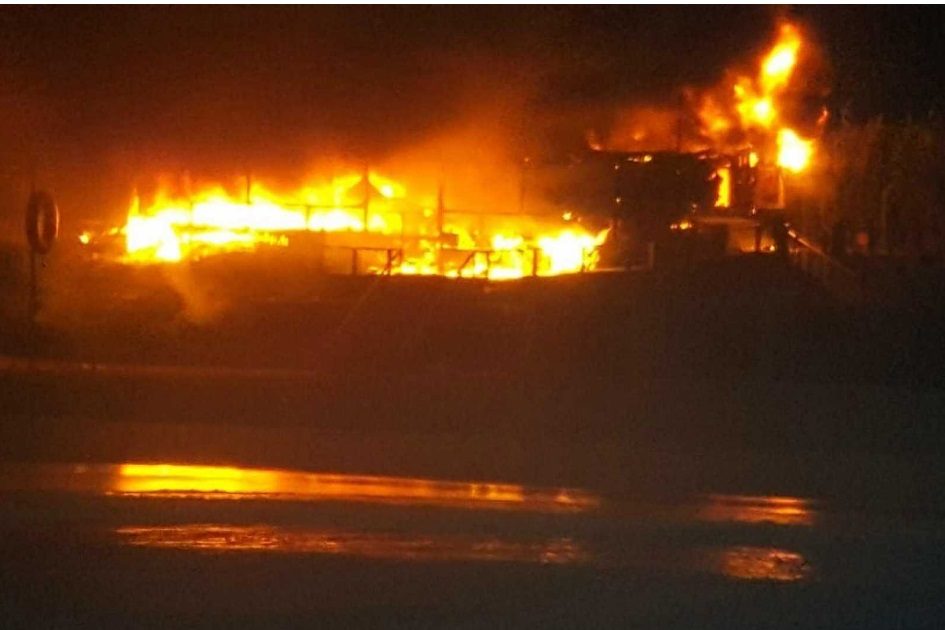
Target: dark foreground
735,449
140,546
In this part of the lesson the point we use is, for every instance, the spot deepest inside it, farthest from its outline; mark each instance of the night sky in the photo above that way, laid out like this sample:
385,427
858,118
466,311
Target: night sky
93,96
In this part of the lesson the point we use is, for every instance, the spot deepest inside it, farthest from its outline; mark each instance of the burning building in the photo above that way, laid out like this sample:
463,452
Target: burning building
728,153
359,222
721,156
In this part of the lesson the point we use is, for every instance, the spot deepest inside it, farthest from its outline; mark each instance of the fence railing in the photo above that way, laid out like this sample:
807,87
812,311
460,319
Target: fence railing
839,279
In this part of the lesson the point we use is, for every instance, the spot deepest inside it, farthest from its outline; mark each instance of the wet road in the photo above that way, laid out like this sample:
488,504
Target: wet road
162,543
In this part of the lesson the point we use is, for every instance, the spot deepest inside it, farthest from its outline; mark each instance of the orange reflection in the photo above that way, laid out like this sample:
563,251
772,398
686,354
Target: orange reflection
144,478
750,509
174,480
376,545
761,563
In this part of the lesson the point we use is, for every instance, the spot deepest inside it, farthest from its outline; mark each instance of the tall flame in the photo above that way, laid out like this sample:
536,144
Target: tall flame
758,104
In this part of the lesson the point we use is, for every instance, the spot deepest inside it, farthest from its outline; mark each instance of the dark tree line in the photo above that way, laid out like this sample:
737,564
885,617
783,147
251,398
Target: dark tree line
883,187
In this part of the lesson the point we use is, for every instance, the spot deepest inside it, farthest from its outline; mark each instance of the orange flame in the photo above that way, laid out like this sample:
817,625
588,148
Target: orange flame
757,104
212,220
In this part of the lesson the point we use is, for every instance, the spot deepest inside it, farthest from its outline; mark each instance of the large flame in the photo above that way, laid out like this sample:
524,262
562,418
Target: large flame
794,153
759,104
753,109
418,235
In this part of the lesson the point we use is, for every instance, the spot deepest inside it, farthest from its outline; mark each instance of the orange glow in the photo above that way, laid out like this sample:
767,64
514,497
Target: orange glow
215,482
794,153
374,545
146,478
761,563
778,65
724,198
755,104
763,111
374,211
749,509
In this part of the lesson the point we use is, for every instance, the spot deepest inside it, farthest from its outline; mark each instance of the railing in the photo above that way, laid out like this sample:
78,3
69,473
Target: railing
533,254
839,279
394,258
470,266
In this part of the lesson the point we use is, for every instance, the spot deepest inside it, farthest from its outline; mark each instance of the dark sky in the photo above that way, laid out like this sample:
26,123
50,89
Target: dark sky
94,92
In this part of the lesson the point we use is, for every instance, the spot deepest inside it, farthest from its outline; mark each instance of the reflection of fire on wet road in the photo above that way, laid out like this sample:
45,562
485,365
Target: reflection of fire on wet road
180,481
376,545
751,509
577,527
760,563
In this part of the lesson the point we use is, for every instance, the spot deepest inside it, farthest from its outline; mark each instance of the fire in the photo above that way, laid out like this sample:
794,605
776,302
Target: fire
374,211
777,67
794,153
757,104
724,198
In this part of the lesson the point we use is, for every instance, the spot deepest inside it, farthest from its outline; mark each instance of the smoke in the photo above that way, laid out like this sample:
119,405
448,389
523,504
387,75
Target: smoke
201,305
106,100
646,128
